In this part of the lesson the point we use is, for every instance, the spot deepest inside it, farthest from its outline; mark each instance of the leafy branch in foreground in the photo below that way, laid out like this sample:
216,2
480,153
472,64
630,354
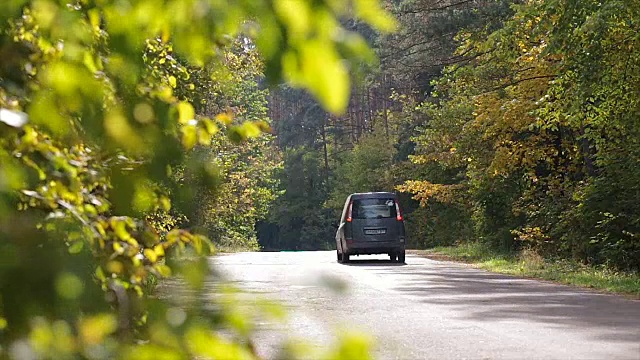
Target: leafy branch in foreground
100,103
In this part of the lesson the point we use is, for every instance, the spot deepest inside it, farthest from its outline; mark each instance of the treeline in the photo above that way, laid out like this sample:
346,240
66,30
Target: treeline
134,142
315,147
367,148
512,123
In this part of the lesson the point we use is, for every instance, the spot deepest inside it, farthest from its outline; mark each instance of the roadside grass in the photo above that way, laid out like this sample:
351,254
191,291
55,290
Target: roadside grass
529,264
235,248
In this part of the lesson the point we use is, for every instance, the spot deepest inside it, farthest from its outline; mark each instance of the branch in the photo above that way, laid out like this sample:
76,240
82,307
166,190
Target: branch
516,82
439,8
65,205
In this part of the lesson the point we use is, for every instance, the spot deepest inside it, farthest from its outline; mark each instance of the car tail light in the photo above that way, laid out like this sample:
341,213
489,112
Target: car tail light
349,217
398,213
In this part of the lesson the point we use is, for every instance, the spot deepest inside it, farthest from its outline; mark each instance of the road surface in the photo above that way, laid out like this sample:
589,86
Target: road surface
430,309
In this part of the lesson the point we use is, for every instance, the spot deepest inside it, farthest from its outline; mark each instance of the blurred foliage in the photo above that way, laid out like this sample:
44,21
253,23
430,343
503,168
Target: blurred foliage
245,170
104,106
229,212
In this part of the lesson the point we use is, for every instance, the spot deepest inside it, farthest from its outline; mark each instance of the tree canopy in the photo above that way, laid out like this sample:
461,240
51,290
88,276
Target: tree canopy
137,137
512,123
134,141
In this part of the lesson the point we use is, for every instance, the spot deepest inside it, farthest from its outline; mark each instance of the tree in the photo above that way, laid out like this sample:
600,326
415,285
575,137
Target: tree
245,170
368,167
529,133
100,103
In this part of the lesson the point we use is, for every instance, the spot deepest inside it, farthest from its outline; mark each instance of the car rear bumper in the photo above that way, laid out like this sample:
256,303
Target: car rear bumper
374,247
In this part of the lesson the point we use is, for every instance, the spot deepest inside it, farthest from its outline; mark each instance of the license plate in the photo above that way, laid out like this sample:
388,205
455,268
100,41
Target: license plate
375,231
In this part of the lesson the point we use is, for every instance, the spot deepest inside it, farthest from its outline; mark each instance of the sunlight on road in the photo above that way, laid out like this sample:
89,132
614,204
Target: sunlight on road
433,310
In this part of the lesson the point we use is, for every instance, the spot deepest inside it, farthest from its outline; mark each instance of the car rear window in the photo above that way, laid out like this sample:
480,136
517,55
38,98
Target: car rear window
374,208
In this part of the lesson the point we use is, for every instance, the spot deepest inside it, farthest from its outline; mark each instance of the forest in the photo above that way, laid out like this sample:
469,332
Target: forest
510,123
139,137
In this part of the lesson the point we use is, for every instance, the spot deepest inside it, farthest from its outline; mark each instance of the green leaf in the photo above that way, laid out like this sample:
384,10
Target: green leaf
296,14
173,82
371,12
324,73
69,286
76,247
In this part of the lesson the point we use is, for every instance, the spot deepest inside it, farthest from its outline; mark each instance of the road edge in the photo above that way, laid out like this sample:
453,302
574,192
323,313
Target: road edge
436,256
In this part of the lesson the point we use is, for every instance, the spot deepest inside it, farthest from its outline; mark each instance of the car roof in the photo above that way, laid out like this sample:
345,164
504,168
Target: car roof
373,195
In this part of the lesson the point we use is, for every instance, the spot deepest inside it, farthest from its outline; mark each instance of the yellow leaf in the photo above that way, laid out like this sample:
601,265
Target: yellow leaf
163,270
251,129
151,255
94,18
210,126
115,267
204,343
159,250
186,113
225,118
204,137
94,329
189,136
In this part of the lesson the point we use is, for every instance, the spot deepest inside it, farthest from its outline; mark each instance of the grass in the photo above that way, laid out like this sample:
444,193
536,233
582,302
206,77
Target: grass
529,264
234,248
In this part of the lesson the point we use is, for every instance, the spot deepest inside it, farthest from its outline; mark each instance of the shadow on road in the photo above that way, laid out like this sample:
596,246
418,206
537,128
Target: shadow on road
373,262
485,296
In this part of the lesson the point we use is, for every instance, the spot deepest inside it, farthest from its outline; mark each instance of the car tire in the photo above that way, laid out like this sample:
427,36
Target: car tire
393,257
339,256
345,258
401,257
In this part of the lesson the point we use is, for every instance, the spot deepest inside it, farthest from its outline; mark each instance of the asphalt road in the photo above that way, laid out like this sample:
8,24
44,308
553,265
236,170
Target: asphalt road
430,309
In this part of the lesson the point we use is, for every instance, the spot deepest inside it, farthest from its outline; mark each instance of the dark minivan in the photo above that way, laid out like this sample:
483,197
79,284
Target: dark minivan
371,223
